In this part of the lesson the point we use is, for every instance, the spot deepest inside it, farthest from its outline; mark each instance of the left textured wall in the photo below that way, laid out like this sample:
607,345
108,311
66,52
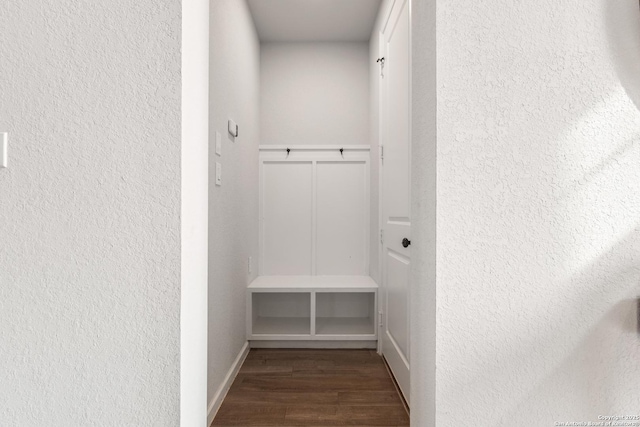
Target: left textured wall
90,213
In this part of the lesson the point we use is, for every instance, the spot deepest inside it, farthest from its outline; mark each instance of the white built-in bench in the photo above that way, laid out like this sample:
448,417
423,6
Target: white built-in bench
314,239
312,308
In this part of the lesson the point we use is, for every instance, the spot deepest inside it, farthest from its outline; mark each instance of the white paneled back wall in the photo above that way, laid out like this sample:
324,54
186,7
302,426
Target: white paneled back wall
314,210
287,205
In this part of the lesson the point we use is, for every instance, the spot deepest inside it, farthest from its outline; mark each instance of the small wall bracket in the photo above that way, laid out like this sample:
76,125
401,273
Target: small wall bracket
381,62
233,128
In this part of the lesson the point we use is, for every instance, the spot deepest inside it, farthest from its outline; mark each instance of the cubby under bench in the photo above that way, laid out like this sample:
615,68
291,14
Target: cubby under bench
312,312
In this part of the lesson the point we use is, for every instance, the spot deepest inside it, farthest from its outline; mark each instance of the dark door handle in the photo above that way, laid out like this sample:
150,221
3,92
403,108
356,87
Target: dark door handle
406,242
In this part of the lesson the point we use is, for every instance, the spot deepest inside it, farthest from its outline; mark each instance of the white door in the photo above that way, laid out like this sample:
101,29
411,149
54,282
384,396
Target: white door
395,197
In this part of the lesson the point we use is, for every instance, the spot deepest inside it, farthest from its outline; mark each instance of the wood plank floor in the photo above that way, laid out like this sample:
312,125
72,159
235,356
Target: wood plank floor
320,388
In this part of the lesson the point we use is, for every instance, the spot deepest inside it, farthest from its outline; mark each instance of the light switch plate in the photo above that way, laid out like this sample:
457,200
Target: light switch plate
4,150
218,144
218,173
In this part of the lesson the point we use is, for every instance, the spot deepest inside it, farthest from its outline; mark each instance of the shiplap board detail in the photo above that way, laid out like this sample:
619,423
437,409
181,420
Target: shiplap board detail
314,210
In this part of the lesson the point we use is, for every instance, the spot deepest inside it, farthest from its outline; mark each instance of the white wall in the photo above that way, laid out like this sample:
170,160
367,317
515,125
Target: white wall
90,213
423,214
233,207
314,93
538,206
194,213
374,137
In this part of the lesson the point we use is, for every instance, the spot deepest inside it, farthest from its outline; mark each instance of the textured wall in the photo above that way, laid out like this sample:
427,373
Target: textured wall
538,211
89,213
233,207
314,93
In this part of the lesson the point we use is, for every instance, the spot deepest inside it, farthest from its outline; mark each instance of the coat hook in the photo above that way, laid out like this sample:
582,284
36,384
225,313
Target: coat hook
381,62
342,152
288,151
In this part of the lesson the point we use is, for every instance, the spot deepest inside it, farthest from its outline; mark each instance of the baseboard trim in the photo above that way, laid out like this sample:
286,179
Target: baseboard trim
372,345
397,387
217,399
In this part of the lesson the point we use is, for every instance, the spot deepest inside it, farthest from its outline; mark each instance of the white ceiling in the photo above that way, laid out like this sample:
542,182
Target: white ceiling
314,20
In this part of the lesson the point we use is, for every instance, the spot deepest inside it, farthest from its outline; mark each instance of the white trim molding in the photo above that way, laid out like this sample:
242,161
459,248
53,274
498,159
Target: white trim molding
221,393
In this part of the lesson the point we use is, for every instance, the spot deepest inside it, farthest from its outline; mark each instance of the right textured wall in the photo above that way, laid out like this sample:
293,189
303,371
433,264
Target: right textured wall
538,212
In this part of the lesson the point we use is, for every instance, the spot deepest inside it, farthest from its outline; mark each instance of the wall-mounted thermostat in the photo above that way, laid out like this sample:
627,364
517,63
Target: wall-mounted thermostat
233,128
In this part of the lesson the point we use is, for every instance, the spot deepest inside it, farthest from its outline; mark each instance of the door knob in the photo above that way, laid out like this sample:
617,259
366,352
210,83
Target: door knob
406,242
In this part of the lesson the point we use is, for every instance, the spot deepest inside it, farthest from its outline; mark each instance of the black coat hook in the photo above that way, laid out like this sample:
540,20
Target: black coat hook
342,152
288,151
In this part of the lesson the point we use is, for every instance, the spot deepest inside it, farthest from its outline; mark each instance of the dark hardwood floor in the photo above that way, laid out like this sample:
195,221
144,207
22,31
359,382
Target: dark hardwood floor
325,388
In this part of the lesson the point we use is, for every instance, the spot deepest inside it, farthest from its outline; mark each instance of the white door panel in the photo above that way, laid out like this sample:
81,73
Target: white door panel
396,195
396,143
397,304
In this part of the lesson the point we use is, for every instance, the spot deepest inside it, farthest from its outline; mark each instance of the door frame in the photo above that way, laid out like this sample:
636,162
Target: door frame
194,206
381,271
381,265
